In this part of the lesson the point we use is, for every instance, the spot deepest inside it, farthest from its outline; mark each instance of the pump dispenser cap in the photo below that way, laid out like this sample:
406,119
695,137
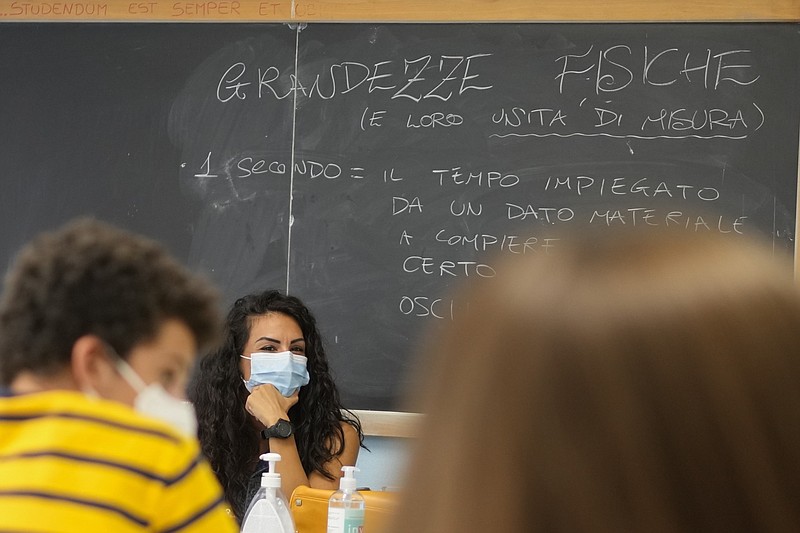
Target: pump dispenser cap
348,481
272,478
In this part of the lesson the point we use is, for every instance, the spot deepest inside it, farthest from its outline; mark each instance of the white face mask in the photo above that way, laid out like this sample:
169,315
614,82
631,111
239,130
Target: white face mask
154,401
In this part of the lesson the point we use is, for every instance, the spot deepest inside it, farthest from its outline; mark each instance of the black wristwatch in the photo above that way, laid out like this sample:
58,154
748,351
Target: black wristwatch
281,429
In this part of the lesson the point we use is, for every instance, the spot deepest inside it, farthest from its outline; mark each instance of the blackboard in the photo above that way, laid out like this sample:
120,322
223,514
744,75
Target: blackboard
369,168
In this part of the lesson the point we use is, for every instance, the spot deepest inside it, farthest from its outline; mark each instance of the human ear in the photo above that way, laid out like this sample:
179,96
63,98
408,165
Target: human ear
90,367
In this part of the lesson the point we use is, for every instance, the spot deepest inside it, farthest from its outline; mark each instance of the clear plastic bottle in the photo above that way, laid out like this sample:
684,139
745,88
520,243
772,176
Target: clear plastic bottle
268,511
346,505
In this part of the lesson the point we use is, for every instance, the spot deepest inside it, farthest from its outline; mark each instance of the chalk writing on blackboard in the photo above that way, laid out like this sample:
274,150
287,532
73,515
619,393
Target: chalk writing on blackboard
420,154
370,168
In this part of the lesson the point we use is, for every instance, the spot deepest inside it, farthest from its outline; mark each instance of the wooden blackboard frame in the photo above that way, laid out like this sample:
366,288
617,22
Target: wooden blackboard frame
402,10
385,423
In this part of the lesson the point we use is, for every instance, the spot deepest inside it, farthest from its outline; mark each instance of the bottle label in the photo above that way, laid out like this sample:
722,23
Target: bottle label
345,521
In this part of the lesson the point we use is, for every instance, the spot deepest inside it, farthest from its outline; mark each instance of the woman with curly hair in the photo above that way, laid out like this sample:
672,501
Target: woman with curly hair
268,388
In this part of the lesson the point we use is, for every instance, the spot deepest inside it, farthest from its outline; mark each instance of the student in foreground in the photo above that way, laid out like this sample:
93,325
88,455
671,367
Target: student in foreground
95,325
642,383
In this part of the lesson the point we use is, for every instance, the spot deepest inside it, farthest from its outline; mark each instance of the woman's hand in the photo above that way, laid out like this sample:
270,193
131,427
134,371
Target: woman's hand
267,405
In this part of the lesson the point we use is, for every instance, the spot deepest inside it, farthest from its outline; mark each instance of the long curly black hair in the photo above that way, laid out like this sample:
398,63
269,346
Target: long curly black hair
227,435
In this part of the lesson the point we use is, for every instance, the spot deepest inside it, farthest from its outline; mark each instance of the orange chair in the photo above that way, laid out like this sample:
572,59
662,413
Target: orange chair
310,509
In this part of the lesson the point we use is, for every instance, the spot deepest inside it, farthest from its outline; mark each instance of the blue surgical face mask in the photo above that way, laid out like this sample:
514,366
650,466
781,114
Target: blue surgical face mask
285,370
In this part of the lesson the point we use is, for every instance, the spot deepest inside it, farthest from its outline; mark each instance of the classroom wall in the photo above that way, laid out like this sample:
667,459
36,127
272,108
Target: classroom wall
389,437
381,467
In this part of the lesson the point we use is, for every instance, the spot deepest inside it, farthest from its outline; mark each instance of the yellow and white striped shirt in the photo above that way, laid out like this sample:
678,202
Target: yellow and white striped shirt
69,463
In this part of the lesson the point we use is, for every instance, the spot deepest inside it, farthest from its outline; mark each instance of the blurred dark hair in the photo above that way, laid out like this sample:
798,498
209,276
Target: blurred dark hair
90,277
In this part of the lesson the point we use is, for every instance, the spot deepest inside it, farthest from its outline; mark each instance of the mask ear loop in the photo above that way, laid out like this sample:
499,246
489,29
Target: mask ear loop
244,381
124,368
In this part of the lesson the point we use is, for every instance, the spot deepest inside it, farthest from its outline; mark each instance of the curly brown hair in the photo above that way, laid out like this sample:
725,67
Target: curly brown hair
90,277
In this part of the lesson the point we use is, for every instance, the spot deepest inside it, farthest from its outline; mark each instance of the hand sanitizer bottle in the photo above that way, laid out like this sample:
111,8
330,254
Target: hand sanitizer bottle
268,511
346,505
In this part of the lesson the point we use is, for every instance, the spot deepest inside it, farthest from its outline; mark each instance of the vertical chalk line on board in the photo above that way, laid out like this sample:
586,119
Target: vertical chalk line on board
774,221
291,172
796,213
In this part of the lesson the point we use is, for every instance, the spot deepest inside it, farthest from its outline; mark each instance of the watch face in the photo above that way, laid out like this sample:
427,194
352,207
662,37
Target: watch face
283,428
280,429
